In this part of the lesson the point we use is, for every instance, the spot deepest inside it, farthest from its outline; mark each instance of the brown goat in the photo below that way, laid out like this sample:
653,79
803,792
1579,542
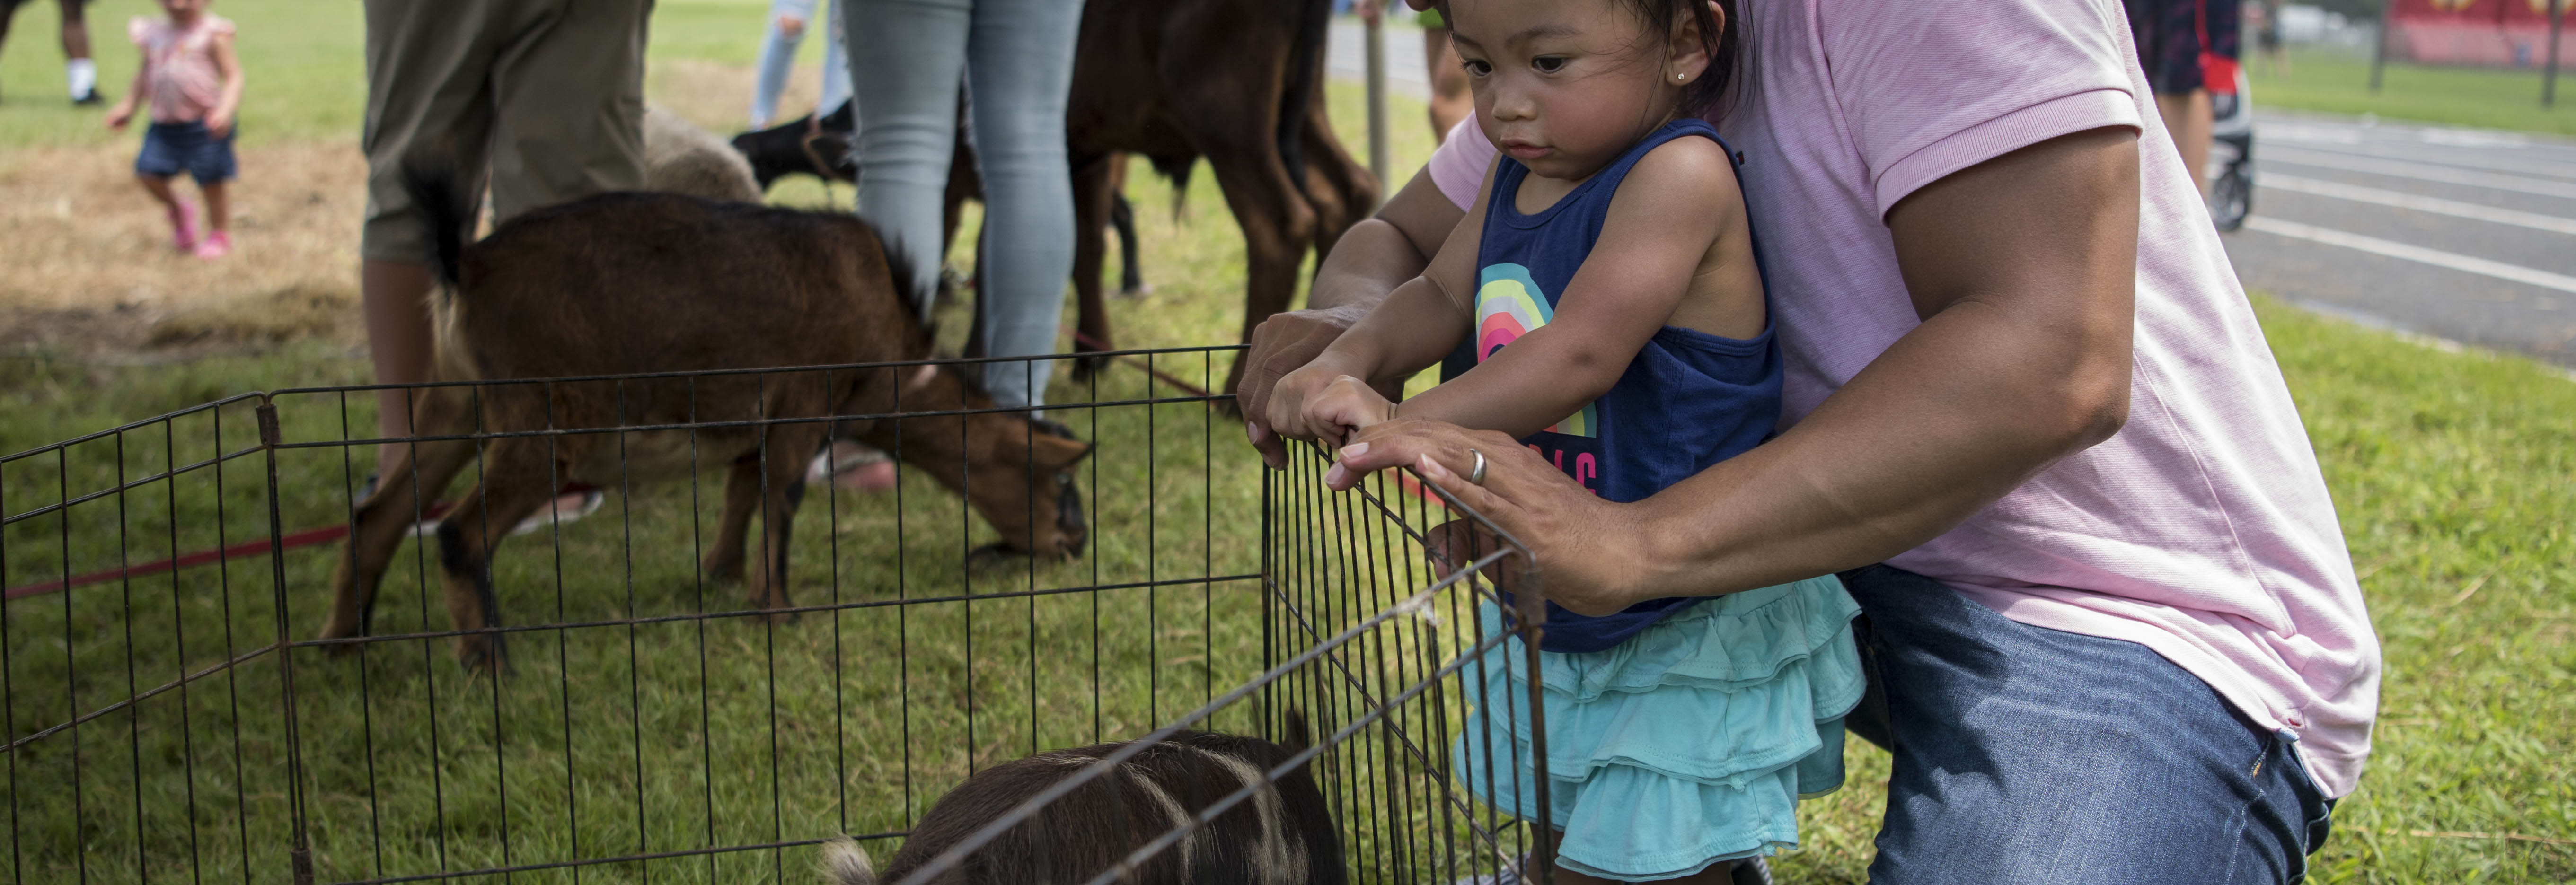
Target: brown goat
632,283
1283,834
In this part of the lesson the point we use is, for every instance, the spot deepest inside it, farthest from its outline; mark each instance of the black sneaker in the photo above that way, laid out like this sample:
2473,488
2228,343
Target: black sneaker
91,98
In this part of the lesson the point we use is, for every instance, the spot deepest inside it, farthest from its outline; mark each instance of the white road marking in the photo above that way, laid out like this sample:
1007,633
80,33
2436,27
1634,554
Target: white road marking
2423,172
2409,252
2435,205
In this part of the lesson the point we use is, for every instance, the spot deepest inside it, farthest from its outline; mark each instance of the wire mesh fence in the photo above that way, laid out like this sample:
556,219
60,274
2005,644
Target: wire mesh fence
206,680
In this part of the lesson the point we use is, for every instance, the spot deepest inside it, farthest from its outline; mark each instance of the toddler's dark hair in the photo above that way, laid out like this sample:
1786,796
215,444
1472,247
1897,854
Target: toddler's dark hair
1724,47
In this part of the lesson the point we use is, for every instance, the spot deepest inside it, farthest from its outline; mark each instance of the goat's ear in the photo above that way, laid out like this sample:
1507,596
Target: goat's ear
1052,453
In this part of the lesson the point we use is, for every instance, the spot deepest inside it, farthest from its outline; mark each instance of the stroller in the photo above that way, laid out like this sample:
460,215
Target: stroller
2231,193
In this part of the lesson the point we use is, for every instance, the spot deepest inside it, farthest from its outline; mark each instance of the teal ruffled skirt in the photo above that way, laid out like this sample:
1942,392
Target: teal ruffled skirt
1689,744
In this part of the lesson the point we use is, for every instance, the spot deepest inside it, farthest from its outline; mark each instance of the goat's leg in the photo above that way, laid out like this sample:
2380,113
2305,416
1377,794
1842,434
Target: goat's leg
515,485
1242,147
1131,277
1277,226
1346,182
741,492
420,471
1091,196
780,493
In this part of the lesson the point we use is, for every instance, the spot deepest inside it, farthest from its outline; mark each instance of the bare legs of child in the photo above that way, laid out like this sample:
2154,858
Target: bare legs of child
216,241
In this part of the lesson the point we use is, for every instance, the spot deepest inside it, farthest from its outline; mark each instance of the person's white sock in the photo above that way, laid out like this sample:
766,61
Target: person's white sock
82,75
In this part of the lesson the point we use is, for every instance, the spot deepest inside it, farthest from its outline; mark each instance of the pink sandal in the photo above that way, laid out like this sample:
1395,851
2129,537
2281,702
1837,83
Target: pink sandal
215,245
183,226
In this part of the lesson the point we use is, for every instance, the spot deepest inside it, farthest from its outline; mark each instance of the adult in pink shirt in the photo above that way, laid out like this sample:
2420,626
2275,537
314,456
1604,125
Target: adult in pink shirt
2113,628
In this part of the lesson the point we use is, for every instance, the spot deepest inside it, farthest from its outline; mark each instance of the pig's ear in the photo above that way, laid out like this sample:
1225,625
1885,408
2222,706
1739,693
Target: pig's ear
1053,453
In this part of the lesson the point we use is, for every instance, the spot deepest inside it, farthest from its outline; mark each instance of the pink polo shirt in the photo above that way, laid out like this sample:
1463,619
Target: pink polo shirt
2201,530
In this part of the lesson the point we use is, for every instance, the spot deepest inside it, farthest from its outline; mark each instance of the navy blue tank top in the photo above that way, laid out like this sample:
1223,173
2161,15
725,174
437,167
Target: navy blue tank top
1689,400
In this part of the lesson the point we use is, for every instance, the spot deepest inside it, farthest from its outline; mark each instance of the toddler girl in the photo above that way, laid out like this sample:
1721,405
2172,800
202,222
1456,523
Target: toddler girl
1609,311
195,85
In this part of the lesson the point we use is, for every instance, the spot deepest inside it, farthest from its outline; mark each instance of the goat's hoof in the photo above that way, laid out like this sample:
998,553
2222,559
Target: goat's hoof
1087,367
1139,290
991,556
482,658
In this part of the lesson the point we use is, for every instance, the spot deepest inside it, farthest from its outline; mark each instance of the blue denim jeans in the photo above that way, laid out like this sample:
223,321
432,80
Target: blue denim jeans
778,59
1016,56
2029,755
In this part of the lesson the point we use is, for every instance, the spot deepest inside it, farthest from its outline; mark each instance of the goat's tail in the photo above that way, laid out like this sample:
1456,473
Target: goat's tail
448,210
845,863
446,207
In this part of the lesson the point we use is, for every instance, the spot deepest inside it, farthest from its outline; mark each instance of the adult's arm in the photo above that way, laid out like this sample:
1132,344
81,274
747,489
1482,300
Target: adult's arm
1370,260
2022,269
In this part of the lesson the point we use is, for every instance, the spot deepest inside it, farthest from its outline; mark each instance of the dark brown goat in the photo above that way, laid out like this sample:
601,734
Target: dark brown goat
1239,82
1283,834
632,283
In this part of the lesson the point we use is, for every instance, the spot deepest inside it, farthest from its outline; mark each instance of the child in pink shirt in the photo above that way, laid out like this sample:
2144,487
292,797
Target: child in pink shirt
194,83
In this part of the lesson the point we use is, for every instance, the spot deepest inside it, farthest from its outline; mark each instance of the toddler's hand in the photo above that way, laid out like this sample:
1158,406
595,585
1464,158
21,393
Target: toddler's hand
219,124
1344,406
1296,391
118,117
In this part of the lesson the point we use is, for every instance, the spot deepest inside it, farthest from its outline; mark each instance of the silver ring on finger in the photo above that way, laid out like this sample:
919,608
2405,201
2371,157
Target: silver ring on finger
1476,474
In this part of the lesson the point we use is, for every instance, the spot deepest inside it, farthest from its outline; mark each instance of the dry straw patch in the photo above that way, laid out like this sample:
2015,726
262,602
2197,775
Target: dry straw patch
91,269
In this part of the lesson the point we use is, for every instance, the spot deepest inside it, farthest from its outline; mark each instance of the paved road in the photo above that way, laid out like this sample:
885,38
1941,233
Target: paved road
2468,235
2463,234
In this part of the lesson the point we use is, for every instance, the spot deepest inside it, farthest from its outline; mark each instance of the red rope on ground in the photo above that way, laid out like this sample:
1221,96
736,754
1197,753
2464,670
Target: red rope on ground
294,540
1160,375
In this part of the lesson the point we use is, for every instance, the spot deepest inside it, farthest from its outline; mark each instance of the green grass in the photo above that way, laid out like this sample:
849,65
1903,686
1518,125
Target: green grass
2476,97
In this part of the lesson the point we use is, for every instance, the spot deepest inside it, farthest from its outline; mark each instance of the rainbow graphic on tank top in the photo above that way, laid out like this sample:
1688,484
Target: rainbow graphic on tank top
1508,306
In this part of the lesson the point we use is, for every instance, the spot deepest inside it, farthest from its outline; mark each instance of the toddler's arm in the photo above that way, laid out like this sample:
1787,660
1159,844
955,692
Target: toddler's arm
219,121
123,112
1675,205
1412,328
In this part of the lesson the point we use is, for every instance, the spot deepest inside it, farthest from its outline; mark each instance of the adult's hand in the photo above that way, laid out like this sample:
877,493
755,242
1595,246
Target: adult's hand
1584,546
1281,345
1372,258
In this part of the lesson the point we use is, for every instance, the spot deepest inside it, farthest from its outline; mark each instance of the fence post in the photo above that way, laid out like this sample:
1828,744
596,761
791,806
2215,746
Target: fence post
1377,98
2549,74
2379,47
300,850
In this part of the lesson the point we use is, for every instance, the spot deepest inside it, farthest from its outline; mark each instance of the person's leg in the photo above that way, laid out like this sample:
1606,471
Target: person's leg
786,29
2187,118
1020,66
836,62
906,57
212,166
79,72
159,187
1451,99
218,217
2027,755
426,104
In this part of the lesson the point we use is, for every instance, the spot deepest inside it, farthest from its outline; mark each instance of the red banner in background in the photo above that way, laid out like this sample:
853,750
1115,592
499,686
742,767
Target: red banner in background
2487,33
